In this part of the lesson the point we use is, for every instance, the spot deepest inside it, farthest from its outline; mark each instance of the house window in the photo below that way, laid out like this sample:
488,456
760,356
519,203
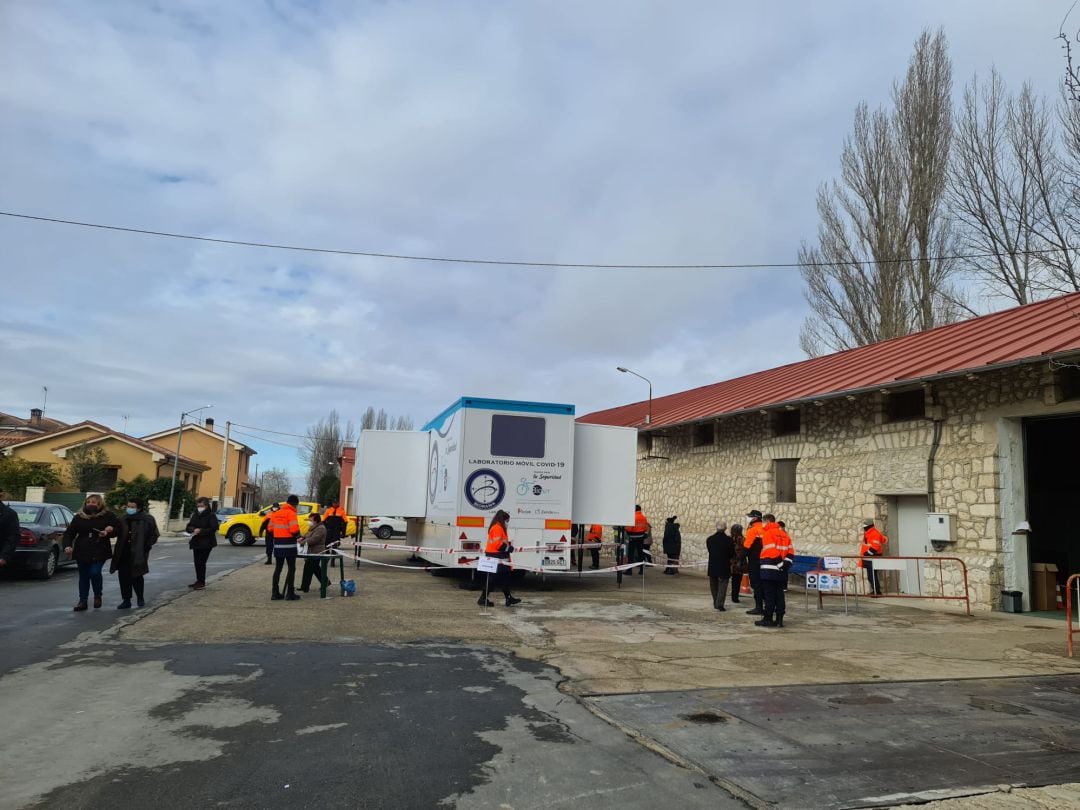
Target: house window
784,479
1069,377
704,434
787,423
904,405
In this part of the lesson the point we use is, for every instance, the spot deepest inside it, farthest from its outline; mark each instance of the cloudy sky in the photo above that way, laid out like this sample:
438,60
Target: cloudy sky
602,132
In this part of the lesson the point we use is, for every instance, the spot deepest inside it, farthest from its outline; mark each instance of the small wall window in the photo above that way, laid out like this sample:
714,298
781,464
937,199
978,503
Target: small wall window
784,479
1069,377
786,423
517,436
704,434
904,405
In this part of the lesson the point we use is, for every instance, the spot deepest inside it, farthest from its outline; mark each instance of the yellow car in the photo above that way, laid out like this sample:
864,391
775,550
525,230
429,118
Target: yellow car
241,530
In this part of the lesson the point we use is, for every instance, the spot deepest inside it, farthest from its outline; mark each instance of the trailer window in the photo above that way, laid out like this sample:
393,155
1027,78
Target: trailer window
518,436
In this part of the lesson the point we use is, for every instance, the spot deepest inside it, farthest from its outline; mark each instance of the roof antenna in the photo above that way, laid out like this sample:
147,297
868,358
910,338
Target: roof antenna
44,388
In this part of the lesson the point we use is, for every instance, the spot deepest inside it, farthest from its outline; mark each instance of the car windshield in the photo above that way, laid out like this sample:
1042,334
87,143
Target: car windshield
28,515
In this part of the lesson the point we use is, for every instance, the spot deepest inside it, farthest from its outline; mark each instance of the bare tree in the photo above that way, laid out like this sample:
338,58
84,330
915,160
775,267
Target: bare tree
1009,192
381,420
274,486
322,448
924,136
881,266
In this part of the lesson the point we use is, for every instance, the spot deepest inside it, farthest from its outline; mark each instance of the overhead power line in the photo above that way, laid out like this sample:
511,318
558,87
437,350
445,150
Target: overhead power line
511,262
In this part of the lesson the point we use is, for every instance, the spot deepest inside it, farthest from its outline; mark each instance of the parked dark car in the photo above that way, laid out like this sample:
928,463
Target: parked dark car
41,537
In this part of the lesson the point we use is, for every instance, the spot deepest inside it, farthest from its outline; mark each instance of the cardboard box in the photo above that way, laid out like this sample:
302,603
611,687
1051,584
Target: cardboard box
1044,586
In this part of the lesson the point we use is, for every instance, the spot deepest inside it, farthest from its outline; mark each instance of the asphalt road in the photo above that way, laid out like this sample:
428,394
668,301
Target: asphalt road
318,725
36,617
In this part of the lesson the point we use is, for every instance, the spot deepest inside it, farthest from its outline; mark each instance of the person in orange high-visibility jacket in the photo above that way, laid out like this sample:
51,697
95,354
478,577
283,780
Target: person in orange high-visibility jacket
595,535
285,529
635,540
873,545
777,557
752,553
498,545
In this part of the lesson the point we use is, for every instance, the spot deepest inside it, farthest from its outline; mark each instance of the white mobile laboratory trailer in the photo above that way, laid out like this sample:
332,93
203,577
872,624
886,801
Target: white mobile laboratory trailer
481,455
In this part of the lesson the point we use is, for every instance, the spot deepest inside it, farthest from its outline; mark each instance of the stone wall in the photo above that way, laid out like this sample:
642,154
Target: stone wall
852,459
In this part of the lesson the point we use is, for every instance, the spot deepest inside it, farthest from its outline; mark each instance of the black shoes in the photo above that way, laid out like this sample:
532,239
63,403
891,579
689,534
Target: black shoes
267,561
276,597
125,605
79,607
764,623
141,603
482,602
755,612
722,609
292,597
511,601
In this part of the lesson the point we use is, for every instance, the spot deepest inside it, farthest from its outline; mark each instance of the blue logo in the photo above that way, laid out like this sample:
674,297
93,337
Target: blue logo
484,489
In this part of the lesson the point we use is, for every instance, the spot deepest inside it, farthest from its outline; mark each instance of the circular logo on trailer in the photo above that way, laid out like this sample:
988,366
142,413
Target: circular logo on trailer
484,489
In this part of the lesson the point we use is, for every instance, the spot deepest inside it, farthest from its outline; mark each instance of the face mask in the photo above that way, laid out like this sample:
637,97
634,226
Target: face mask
202,508
131,510
90,509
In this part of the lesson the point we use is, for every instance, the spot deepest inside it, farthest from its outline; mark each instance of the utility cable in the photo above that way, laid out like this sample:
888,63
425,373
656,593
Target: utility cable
517,263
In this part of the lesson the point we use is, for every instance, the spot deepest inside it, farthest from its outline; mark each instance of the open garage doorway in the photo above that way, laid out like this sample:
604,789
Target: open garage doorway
1052,477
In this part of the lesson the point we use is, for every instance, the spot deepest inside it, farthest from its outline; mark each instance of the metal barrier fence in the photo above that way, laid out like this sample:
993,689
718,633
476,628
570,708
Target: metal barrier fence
917,571
1072,583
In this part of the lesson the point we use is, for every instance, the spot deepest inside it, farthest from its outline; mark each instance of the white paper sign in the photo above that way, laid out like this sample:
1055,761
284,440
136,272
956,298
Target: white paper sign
833,563
488,565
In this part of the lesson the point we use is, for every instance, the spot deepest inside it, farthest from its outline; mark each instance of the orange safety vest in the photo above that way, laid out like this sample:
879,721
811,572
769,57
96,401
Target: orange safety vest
754,531
874,541
283,523
497,542
640,527
596,533
775,547
331,511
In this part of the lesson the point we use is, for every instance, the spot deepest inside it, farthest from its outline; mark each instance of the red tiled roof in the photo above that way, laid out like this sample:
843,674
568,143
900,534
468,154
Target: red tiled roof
46,425
1022,334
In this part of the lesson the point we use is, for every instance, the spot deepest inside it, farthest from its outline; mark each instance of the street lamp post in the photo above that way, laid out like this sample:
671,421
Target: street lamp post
648,416
176,460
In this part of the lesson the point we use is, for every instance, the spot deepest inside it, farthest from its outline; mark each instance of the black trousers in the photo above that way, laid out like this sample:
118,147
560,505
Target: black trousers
755,584
736,585
775,601
269,547
871,578
284,558
718,587
595,553
312,569
500,579
201,556
635,552
128,583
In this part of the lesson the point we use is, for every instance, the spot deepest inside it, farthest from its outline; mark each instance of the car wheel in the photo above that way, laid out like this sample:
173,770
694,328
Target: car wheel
384,532
49,568
240,536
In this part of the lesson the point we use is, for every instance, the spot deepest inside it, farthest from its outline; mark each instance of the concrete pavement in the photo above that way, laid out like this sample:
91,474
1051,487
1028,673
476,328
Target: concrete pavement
414,696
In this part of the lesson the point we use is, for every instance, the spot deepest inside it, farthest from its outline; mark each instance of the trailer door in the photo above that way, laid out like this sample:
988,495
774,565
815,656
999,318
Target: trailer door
392,473
605,474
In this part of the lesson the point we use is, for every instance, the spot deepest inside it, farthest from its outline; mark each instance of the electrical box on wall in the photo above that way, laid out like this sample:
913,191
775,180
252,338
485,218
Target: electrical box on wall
940,527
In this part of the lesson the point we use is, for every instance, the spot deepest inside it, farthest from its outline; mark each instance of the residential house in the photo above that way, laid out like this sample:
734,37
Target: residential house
14,429
204,443
128,456
975,423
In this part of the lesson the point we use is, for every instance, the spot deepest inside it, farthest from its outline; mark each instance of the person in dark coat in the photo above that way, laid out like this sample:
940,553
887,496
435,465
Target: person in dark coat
672,544
203,527
88,539
738,561
131,557
9,531
721,550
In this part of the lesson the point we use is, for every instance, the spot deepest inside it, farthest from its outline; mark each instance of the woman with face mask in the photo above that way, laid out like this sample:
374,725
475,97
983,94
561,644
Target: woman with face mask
88,538
203,528
131,556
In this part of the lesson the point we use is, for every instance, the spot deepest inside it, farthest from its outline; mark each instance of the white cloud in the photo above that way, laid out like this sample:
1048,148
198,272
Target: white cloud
608,132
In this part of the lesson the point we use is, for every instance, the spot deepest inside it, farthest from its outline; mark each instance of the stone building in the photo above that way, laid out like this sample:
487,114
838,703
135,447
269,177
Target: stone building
977,421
